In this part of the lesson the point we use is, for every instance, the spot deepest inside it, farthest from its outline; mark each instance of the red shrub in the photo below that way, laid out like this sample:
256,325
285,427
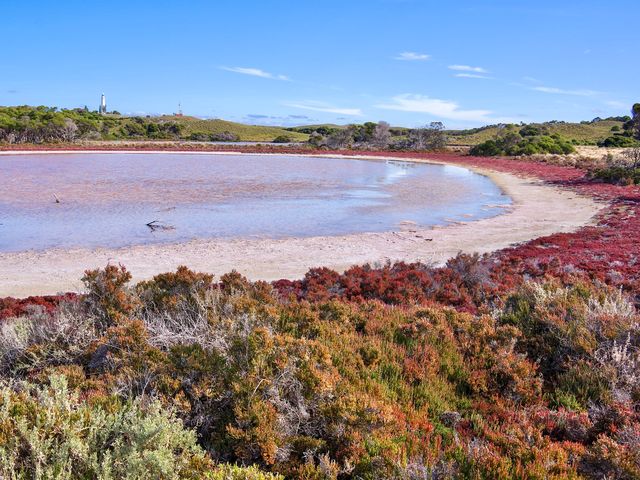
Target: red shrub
13,307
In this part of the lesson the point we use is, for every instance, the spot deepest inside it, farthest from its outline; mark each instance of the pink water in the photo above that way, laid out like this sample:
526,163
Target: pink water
107,199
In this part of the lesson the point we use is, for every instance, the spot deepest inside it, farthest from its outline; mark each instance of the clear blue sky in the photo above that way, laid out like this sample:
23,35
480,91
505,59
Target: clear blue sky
466,63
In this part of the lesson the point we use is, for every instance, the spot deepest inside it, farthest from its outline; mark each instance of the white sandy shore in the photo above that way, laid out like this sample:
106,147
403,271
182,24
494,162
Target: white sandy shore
537,210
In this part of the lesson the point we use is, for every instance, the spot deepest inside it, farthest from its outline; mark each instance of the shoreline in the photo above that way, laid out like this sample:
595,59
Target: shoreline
538,209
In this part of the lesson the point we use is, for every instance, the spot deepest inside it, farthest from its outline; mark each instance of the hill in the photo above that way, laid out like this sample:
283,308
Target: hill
246,133
584,133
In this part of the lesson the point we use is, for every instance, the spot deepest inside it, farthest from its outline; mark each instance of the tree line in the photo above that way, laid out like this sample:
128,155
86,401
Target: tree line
26,124
381,135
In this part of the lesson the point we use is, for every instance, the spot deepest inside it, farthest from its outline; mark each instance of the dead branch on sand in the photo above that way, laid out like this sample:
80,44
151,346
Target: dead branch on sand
158,225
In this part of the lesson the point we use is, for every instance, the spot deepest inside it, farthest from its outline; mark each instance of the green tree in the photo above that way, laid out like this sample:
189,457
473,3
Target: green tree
635,120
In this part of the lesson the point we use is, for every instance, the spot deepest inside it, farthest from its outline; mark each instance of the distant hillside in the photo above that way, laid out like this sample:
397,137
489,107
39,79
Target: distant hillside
585,133
246,133
42,124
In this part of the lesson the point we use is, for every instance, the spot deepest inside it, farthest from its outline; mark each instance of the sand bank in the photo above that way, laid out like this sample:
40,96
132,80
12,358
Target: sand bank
538,209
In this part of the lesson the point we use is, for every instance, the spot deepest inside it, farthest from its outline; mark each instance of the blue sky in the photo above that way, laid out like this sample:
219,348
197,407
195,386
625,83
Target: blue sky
465,63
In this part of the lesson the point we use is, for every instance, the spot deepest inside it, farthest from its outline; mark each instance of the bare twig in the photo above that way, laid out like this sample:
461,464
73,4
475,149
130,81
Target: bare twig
156,225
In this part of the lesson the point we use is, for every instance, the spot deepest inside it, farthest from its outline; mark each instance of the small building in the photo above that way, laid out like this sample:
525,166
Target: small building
103,105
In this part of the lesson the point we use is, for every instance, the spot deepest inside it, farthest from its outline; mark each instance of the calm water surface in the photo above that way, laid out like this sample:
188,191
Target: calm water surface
107,199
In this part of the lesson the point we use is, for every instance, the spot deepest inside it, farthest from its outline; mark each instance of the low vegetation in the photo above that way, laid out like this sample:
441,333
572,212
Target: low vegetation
401,371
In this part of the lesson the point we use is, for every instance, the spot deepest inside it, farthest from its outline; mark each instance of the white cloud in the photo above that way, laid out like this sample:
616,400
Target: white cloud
467,68
279,120
616,104
412,56
255,72
440,108
560,91
323,107
470,75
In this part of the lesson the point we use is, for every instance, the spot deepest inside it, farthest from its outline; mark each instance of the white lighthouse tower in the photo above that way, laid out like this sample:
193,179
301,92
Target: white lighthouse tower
103,105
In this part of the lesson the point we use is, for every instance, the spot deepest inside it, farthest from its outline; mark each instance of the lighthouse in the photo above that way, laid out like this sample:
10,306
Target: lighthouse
103,105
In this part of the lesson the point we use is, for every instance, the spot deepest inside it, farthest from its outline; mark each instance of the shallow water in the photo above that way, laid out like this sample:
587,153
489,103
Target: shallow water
107,199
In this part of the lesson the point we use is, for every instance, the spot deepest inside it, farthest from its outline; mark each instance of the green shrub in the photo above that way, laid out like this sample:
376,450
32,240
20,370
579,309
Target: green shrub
224,137
544,144
282,139
47,433
620,175
618,141
513,144
532,130
490,148
199,137
584,385
234,472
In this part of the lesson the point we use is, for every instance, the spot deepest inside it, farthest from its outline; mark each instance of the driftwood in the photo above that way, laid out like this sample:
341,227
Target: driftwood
56,198
157,225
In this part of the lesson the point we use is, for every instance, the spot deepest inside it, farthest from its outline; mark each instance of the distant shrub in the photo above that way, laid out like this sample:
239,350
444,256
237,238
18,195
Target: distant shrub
533,130
224,137
213,137
317,140
513,144
163,130
621,141
429,137
489,148
618,175
282,139
199,137
342,138
621,169
543,144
